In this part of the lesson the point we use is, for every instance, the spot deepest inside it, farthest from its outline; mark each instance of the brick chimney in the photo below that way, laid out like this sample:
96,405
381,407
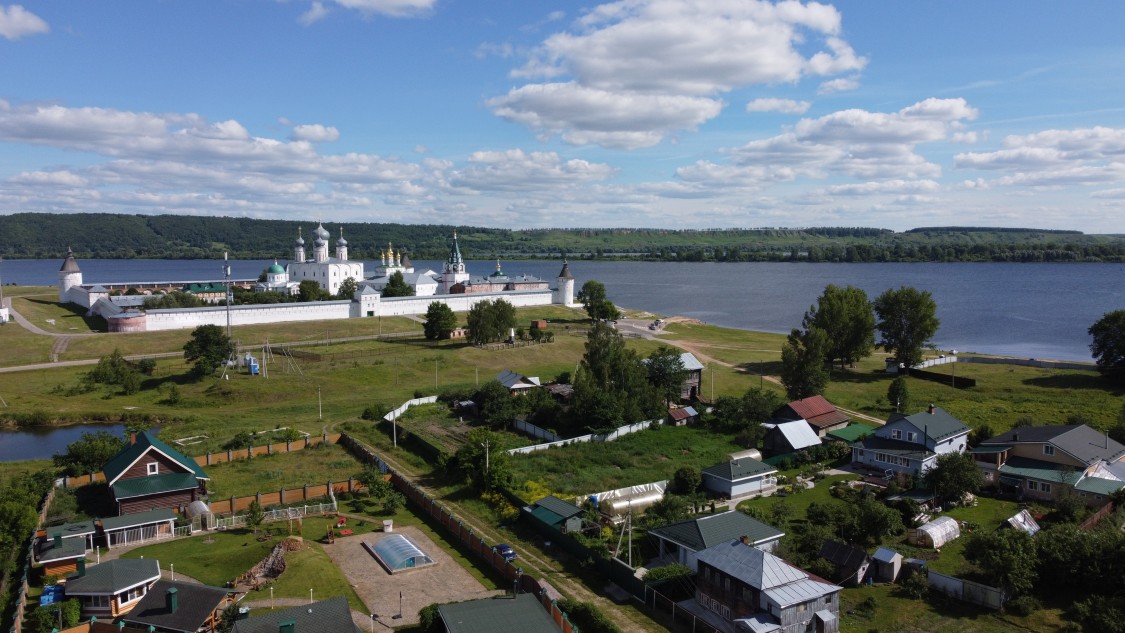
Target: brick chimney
132,437
745,540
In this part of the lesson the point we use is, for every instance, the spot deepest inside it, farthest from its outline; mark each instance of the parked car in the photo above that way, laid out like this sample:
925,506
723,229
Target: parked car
505,550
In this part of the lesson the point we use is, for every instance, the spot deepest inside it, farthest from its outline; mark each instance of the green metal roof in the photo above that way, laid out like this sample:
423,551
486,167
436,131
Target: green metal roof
1099,486
113,576
153,485
938,425
205,288
1040,470
195,603
708,531
67,530
68,548
990,450
147,441
742,468
851,432
327,616
546,516
523,614
562,508
138,519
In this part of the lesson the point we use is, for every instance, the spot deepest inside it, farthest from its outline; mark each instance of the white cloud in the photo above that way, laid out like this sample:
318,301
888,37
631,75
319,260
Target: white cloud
316,13
785,106
1053,159
1109,194
651,53
390,8
16,22
888,186
52,178
516,170
315,133
862,144
843,84
585,115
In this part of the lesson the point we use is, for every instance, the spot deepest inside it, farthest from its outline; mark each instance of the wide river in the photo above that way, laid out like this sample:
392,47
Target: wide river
1024,310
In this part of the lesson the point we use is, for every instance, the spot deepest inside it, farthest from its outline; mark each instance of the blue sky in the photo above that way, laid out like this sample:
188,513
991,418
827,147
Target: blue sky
523,114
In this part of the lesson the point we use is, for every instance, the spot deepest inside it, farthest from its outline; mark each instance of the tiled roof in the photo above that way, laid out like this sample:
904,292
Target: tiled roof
739,469
147,441
154,484
194,604
114,576
704,532
523,614
327,616
140,518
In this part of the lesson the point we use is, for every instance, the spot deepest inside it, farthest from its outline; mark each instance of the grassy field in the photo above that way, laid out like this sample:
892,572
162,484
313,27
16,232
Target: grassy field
895,613
270,473
637,458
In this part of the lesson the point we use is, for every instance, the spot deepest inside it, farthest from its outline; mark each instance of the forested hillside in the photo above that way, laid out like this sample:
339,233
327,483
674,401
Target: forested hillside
44,235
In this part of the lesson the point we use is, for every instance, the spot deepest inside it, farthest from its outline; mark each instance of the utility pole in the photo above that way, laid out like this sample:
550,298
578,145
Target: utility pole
319,405
230,295
485,444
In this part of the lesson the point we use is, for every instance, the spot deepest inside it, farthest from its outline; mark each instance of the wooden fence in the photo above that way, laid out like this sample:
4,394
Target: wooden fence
1097,517
284,496
209,459
21,594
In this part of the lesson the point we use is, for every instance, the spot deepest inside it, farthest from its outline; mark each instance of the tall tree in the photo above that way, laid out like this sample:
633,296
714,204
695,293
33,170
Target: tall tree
848,319
1006,557
803,371
611,386
483,461
907,322
953,475
1108,345
397,286
347,288
490,320
310,290
593,297
208,348
666,373
90,453
440,321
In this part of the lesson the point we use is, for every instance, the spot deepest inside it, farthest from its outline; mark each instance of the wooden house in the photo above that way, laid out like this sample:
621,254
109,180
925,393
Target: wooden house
148,475
749,589
113,588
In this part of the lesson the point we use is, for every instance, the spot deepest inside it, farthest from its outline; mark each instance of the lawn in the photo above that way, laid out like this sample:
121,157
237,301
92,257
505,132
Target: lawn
231,553
270,473
799,502
1003,395
637,458
936,614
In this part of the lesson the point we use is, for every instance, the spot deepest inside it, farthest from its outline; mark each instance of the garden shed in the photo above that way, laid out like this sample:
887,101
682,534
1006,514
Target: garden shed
888,564
936,533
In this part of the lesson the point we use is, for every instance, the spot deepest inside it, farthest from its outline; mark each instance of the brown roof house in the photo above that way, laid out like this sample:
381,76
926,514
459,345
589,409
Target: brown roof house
822,415
148,475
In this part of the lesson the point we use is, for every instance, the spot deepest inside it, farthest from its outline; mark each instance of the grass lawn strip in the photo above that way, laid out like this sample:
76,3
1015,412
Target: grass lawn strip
269,473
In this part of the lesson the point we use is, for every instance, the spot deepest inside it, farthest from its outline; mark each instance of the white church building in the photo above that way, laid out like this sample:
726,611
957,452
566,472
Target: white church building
453,287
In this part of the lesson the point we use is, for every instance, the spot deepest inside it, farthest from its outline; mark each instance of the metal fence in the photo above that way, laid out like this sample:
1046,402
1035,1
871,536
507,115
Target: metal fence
278,514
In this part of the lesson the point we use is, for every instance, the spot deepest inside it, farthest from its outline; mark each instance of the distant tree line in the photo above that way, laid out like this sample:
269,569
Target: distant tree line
120,236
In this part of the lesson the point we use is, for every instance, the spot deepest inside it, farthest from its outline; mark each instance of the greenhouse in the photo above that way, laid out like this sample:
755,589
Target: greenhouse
936,533
397,553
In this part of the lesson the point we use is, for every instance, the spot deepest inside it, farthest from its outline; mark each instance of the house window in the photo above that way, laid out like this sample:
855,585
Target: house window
153,468
135,593
1046,488
97,602
911,436
1031,485
896,434
1048,449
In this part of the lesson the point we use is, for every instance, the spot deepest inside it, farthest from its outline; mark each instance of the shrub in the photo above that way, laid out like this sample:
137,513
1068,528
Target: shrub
587,616
1023,605
667,572
916,585
428,619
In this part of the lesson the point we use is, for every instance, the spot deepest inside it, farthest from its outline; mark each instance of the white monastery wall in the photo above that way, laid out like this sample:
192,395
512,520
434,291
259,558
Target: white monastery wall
248,315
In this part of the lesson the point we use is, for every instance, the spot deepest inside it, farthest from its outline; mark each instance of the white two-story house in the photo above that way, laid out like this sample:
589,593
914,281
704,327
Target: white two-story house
912,444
